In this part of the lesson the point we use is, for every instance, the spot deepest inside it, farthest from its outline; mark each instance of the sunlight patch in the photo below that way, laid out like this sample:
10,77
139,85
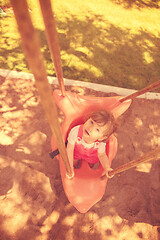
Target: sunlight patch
93,215
154,128
149,43
23,149
148,58
33,143
70,220
144,167
155,141
138,122
84,66
12,225
11,208
50,221
5,140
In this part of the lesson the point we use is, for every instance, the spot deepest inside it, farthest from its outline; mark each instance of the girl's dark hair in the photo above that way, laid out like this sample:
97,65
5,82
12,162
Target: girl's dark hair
104,117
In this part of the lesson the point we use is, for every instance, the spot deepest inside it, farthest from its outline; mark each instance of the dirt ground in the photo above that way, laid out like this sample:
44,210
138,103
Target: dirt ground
33,205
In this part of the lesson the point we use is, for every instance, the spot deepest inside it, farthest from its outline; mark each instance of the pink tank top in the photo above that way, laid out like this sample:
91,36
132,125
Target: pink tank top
88,154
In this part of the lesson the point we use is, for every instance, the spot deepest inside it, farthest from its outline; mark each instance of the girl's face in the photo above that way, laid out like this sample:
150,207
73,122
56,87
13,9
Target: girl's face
92,132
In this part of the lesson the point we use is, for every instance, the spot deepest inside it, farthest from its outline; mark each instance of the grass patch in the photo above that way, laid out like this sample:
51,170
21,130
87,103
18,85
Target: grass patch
109,42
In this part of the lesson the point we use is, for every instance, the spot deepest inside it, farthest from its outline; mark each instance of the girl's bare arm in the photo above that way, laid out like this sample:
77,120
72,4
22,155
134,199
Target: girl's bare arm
105,163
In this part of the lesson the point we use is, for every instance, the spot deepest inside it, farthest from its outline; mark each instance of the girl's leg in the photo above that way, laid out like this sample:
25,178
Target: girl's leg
77,163
94,166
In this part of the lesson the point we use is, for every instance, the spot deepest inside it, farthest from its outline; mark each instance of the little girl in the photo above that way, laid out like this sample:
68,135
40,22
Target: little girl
88,141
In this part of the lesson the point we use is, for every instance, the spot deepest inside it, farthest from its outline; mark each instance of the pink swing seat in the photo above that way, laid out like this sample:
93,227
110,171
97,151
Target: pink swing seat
87,187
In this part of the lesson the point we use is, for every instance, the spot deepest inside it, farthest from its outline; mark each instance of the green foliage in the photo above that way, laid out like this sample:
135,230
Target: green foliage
5,3
108,45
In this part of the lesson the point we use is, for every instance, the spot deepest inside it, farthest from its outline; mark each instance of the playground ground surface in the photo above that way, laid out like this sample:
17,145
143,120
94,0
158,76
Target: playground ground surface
32,199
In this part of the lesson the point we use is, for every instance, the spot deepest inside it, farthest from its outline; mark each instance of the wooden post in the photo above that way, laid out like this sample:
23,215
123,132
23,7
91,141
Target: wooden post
31,47
52,37
155,154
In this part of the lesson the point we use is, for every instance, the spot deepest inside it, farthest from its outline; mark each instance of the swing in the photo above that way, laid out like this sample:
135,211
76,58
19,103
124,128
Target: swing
87,187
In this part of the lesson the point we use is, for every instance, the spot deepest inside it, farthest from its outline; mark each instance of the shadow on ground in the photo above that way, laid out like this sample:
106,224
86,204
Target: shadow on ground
138,4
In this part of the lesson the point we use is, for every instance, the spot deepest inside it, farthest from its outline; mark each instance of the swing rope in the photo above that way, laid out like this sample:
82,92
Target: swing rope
52,38
152,155
142,91
31,47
